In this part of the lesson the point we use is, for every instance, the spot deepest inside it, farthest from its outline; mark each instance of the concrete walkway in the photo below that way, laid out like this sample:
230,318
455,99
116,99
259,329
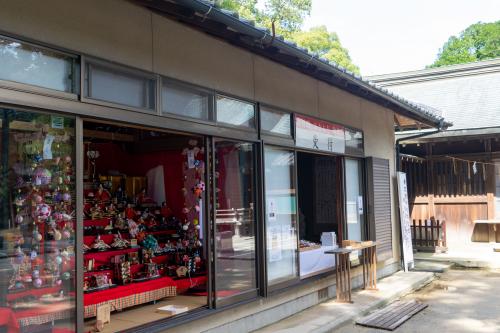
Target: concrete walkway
329,315
472,258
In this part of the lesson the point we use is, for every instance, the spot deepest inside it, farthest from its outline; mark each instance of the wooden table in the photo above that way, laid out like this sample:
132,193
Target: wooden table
343,270
492,228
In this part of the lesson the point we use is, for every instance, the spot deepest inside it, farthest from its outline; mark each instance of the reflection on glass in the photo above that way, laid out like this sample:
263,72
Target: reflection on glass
353,141
280,216
185,102
37,220
235,219
122,88
276,122
40,67
235,112
354,199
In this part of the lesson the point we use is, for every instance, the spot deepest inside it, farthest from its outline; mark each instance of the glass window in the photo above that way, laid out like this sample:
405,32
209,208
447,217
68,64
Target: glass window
235,112
183,101
276,122
353,141
119,87
37,221
235,269
354,200
143,226
41,67
281,225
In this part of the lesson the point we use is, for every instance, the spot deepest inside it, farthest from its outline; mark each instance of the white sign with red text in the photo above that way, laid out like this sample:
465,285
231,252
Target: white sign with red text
321,135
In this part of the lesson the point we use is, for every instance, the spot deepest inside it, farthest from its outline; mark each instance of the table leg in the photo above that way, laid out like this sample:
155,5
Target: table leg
337,273
363,263
375,268
348,263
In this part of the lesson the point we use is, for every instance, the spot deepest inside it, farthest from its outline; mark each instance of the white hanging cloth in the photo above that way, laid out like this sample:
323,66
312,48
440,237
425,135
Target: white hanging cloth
156,184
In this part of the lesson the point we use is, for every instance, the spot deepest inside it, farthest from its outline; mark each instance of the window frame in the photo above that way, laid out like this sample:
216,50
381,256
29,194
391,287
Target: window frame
41,90
86,77
269,108
248,129
189,87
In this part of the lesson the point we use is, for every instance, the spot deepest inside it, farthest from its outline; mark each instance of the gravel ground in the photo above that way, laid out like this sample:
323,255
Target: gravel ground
460,300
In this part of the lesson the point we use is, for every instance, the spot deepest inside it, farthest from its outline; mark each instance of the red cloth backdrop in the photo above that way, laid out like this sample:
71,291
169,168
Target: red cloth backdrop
114,157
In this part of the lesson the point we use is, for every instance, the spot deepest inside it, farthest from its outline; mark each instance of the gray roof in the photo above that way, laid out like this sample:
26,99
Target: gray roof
225,24
466,95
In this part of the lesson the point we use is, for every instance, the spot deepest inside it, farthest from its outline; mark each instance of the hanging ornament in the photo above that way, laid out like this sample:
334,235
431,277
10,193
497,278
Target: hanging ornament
19,258
43,211
59,260
57,235
66,234
19,201
66,275
37,283
67,159
19,219
42,176
37,198
33,255
35,274
66,197
37,158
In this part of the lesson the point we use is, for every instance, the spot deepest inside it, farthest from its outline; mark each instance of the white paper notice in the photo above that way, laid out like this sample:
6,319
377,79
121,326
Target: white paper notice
360,205
47,147
274,243
271,210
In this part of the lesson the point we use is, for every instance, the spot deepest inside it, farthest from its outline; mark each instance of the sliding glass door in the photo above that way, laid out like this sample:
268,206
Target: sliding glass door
354,200
235,220
281,216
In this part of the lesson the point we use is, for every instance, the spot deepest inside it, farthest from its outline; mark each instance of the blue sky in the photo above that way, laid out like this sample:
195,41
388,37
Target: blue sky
387,36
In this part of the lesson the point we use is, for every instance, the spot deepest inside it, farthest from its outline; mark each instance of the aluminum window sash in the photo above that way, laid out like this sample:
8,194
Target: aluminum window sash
79,261
39,90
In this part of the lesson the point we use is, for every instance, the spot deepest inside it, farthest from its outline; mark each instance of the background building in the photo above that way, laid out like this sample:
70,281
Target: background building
453,175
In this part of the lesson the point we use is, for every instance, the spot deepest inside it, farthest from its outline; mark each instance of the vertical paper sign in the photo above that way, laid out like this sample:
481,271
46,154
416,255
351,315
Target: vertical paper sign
271,210
404,217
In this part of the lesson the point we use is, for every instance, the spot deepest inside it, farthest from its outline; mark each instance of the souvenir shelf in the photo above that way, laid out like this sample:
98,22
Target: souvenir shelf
135,249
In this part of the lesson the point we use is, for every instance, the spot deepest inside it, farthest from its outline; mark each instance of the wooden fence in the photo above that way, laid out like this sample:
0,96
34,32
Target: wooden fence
428,235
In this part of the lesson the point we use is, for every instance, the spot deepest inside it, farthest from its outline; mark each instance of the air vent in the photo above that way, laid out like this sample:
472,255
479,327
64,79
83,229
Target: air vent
322,294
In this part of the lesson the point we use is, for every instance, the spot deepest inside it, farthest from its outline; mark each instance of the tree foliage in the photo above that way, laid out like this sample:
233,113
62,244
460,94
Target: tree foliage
479,41
288,16
326,44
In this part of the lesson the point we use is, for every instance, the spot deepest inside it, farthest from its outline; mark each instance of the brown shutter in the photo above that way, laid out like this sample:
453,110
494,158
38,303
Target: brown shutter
379,205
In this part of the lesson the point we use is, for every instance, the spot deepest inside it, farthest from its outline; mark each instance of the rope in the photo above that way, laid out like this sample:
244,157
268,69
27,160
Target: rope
469,161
